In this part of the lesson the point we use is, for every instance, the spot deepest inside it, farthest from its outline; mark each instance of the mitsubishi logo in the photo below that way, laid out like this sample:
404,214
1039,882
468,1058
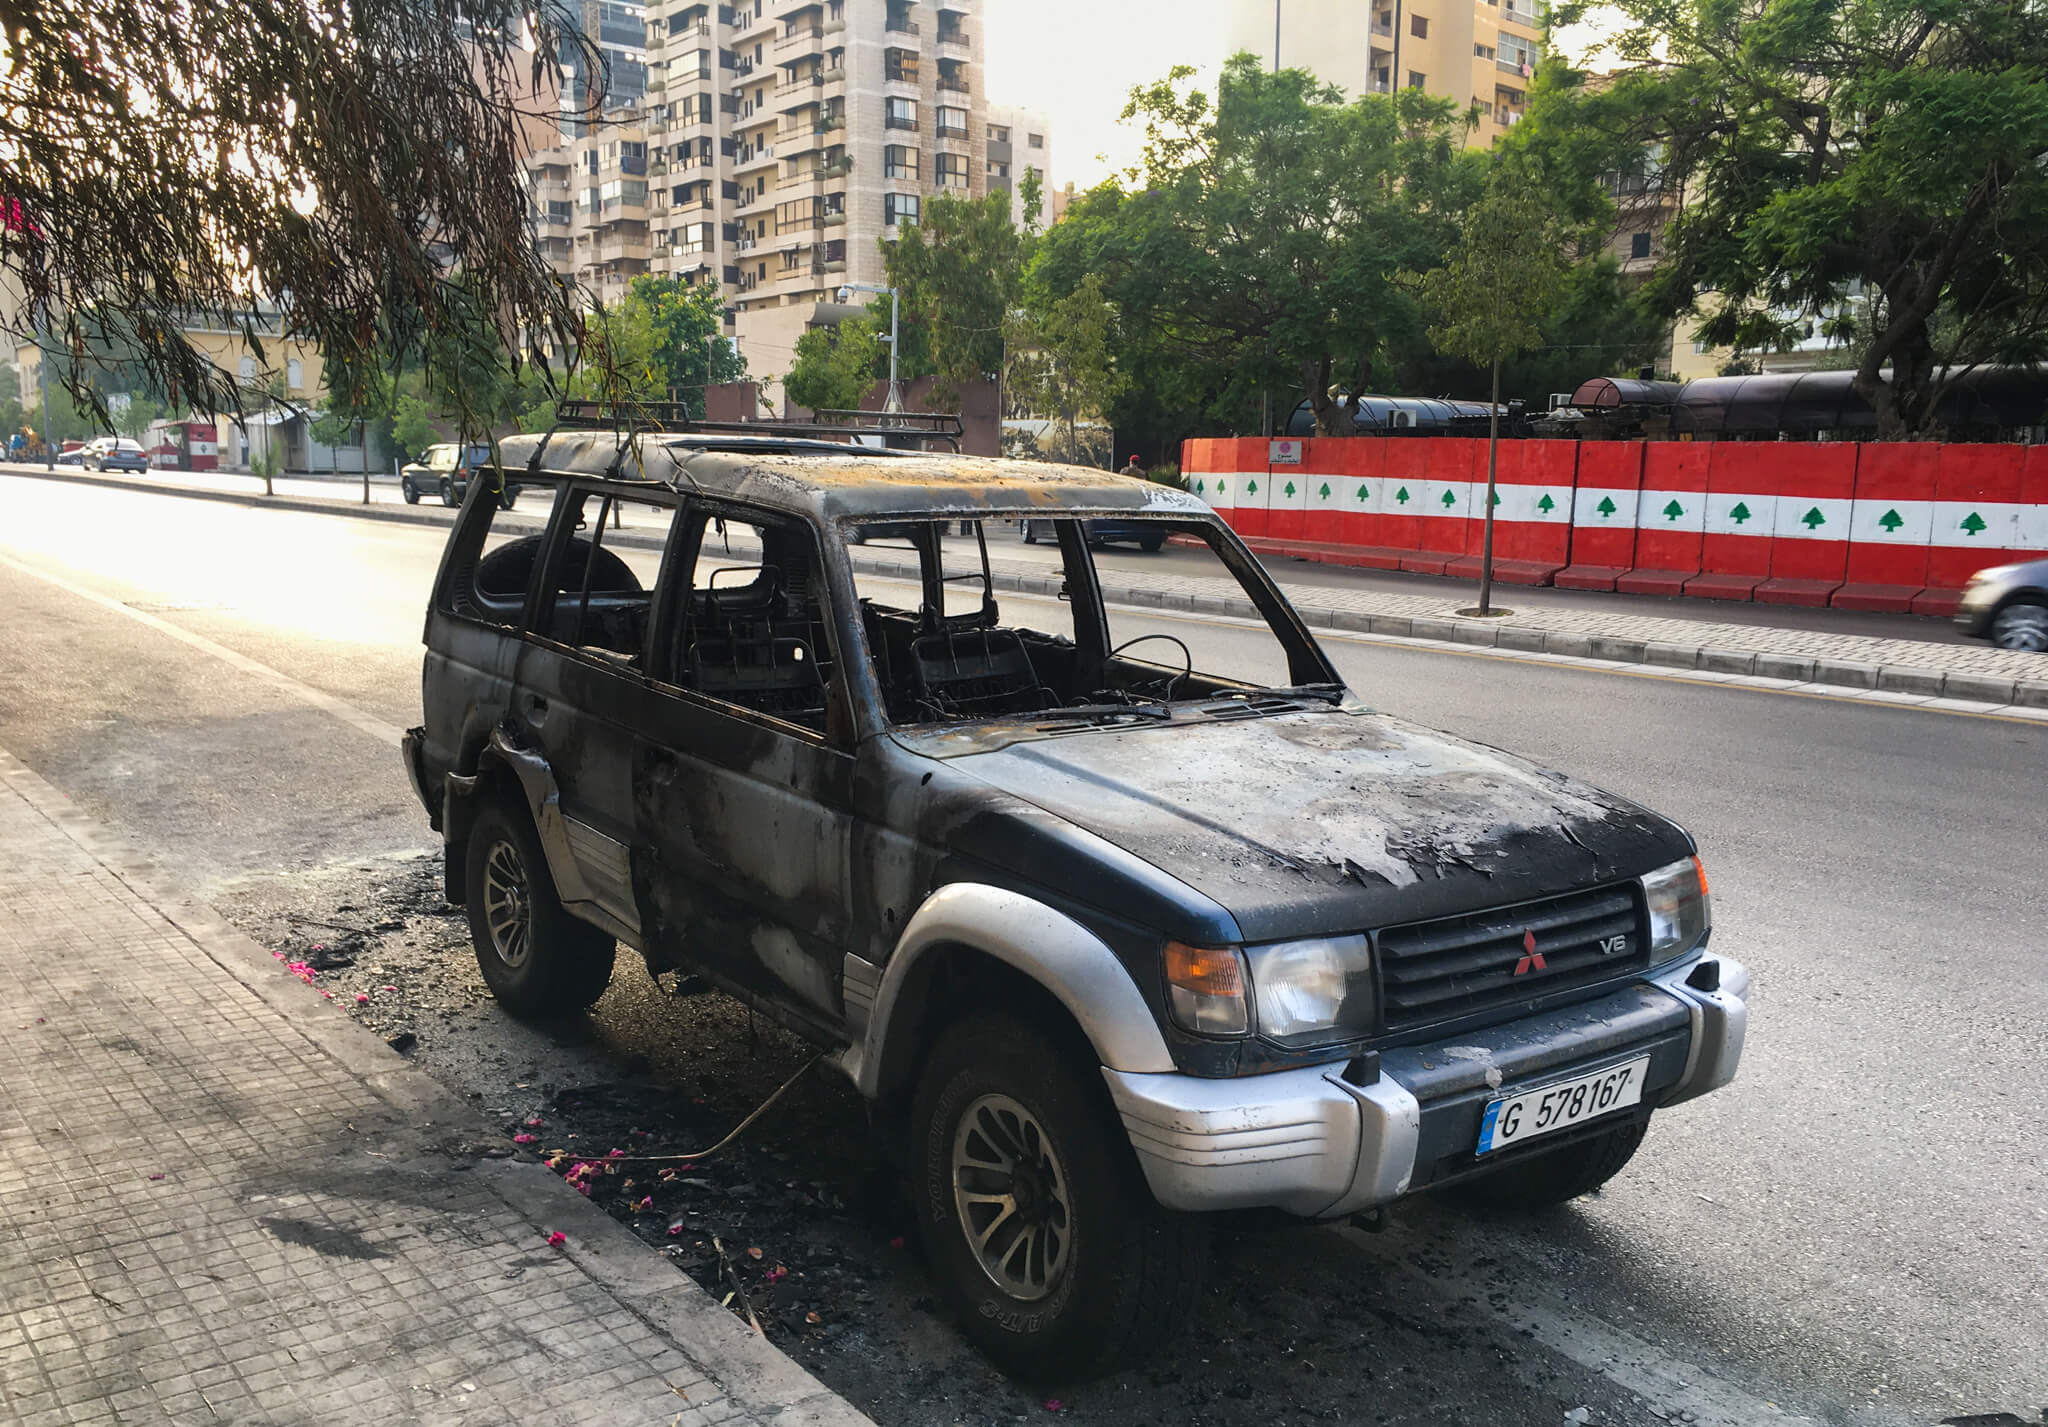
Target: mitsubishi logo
1532,959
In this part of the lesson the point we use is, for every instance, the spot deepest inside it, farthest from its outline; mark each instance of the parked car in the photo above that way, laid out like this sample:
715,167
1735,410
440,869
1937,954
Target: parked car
1099,533
114,453
2008,605
445,470
1108,942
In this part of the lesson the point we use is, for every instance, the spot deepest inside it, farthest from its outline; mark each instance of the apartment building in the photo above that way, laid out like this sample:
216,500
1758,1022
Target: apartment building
777,142
1476,52
1020,139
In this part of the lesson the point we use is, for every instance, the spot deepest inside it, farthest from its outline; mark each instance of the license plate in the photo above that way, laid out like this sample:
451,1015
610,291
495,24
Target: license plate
1517,1119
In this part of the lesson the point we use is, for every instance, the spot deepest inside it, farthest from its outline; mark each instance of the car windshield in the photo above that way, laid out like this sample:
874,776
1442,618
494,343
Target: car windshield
1053,622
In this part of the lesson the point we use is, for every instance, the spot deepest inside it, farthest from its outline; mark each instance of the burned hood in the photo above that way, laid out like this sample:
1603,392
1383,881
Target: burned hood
1332,820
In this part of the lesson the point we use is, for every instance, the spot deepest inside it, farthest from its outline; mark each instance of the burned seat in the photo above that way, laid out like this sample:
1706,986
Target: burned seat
975,673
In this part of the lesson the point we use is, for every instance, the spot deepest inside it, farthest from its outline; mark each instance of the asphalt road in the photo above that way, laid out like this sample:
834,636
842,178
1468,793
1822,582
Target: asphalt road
1855,1231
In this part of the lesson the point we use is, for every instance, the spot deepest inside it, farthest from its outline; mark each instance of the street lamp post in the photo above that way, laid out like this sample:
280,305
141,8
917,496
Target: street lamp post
895,402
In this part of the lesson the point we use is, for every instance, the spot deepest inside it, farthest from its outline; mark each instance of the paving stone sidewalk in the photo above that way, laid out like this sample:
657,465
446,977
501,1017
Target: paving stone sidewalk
223,1202
1974,672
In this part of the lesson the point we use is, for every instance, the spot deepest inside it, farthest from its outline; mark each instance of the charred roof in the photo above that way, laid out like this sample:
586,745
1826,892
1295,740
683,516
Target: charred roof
837,481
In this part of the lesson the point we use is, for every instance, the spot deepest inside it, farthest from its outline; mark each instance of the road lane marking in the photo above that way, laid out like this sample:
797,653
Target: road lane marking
348,713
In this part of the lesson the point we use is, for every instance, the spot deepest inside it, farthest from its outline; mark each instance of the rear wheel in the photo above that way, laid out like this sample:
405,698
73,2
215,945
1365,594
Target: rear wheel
1548,1179
1034,1215
539,961
1030,533
1151,544
2023,624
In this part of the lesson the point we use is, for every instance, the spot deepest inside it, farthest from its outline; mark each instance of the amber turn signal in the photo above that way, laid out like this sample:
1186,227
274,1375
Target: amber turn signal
1205,987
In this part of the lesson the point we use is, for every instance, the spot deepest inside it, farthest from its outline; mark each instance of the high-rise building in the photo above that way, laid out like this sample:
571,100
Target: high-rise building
776,143
1020,139
1476,52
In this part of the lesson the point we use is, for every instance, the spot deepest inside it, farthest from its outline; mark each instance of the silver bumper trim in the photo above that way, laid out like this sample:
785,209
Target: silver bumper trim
1307,1142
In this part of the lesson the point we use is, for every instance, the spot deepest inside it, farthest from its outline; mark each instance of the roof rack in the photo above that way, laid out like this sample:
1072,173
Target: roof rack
894,428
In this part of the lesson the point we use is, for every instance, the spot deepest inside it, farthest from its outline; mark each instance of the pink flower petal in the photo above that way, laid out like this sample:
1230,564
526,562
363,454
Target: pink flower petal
523,1139
557,1239
362,998
532,1124
583,1189
674,1230
646,1203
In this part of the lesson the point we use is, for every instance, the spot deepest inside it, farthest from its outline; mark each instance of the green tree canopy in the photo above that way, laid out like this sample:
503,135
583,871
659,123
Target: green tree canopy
1269,242
957,271
686,347
1823,147
1062,360
835,366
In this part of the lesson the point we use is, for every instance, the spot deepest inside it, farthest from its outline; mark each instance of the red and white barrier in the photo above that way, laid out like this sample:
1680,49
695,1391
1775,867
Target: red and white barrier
1876,526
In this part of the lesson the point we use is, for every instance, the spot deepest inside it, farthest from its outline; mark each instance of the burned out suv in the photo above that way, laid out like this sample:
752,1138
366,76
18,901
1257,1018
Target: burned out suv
1118,916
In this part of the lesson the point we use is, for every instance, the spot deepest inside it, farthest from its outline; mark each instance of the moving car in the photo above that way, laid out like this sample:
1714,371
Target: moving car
2008,605
1109,941
114,453
1099,533
446,470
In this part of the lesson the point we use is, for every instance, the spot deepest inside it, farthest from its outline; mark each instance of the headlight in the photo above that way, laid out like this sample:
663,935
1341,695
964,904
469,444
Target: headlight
1680,909
1313,991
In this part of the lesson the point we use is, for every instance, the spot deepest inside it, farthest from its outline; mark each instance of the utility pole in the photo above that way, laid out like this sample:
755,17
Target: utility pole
895,402
43,381
1276,36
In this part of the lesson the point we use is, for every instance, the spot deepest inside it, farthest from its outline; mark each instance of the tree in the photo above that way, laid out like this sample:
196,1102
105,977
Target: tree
412,425
1821,144
687,346
141,413
835,366
1273,230
1489,299
334,161
1062,360
956,270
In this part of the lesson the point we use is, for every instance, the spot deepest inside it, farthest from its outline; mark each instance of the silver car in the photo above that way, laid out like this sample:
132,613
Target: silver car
2008,605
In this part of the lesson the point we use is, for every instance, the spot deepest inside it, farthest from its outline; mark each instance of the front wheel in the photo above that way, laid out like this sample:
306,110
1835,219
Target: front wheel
1030,533
447,491
2022,625
539,961
1549,1179
1034,1215
1151,544
410,491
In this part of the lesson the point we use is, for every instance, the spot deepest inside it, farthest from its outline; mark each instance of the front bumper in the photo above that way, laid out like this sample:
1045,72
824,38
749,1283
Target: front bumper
1310,1143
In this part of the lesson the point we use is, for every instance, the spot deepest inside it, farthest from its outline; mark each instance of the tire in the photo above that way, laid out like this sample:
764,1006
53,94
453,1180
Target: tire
2022,624
1546,1180
1151,544
447,491
539,961
1030,533
410,491
1121,1282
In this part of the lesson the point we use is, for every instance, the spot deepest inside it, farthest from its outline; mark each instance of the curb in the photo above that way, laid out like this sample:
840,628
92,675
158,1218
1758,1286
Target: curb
750,1371
1523,639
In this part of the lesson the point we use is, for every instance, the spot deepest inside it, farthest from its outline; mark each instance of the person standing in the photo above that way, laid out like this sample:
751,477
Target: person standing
1134,469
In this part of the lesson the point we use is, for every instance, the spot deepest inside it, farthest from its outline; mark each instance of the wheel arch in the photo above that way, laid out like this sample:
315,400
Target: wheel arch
971,946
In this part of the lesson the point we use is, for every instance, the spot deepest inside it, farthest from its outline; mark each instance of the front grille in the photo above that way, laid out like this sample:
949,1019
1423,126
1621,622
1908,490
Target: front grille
1460,966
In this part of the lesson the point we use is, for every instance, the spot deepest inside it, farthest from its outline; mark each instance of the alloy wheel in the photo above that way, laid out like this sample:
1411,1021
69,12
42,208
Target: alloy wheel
1010,1193
508,906
2022,626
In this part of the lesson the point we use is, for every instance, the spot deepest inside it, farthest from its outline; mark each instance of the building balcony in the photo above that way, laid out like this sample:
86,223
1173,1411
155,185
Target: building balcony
953,84
1523,15
832,74
1515,66
899,73
800,39
754,157
760,203
700,30
954,44
798,139
799,91
620,250
951,183
954,132
634,165
899,26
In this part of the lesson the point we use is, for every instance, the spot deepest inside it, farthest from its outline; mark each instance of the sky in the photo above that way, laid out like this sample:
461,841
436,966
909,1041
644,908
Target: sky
1076,61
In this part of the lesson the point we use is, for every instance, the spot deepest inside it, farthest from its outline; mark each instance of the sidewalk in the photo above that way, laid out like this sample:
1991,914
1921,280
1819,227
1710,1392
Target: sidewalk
1906,668
221,1201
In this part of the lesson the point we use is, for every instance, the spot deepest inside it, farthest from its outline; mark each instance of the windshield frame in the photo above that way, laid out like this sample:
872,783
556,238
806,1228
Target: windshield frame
1313,679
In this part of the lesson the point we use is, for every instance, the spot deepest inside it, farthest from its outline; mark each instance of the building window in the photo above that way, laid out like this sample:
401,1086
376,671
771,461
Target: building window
1418,26
953,122
1639,245
1036,141
951,170
900,161
899,208
1482,51
899,113
998,134
1417,79
996,170
247,369
294,374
